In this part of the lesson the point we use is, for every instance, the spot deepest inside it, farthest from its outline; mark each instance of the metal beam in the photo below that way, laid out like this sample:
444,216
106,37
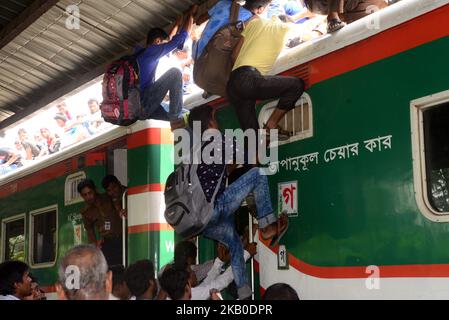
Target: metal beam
52,95
24,20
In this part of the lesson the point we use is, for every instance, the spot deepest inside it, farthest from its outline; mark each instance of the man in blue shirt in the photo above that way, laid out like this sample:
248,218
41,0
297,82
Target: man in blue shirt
218,16
159,44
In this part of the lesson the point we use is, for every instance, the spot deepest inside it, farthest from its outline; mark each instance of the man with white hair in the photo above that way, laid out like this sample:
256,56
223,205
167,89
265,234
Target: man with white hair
84,275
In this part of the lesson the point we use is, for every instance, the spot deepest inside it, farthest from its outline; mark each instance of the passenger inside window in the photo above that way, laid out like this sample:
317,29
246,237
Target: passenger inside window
436,132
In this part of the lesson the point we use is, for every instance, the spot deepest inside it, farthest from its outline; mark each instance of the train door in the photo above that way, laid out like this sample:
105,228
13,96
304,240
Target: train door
117,165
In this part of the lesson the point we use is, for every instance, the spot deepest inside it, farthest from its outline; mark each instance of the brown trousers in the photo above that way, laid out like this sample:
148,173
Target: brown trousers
349,10
357,9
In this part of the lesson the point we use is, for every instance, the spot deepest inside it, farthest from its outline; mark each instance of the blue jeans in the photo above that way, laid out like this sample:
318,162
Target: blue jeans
8,169
153,96
222,226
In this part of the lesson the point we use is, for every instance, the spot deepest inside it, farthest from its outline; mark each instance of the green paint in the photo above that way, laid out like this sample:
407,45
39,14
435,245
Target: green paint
157,246
49,194
363,210
151,164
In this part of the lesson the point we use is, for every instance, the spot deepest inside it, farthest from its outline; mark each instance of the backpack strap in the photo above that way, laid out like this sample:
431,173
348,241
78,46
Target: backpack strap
235,9
138,53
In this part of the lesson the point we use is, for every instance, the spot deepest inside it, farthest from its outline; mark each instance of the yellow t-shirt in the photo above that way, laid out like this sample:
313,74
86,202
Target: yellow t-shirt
264,41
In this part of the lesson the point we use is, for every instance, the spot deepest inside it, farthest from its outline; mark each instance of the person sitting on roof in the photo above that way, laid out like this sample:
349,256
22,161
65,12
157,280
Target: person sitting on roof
9,160
31,150
153,92
218,17
341,12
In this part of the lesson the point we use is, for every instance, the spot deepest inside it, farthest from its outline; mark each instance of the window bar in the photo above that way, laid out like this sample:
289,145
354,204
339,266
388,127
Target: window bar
302,115
293,122
286,121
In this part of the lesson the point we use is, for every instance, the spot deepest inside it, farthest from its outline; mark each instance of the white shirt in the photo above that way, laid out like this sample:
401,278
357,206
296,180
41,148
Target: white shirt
214,280
8,298
201,270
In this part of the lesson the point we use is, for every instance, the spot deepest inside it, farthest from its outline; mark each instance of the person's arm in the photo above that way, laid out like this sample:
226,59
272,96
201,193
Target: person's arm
158,51
188,24
28,151
175,29
42,153
301,15
14,158
214,272
202,292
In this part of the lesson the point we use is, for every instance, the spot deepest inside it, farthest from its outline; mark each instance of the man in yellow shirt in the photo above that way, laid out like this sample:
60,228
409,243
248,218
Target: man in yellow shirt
261,43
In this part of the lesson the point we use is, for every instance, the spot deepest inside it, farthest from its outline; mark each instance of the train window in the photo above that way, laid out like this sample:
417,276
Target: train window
430,116
72,195
13,240
298,121
43,237
436,148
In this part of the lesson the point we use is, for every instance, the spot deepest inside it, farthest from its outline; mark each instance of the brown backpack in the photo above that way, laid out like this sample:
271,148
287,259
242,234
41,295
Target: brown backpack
212,69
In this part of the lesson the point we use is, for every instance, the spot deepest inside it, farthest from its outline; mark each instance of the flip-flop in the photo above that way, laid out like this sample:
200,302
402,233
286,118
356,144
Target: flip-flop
334,25
280,233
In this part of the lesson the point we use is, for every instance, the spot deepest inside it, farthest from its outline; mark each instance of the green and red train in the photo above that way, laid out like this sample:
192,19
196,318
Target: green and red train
365,176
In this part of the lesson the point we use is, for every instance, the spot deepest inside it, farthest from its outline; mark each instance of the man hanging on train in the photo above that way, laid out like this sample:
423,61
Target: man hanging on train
102,222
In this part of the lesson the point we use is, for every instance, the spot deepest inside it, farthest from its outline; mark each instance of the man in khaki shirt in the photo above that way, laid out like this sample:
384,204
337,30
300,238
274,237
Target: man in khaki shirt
101,215
115,190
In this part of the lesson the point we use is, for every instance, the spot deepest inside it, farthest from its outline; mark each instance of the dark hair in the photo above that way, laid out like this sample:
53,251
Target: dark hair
60,116
22,130
280,291
252,5
203,114
86,183
11,272
118,274
286,18
155,33
92,101
138,277
33,278
184,250
108,180
174,282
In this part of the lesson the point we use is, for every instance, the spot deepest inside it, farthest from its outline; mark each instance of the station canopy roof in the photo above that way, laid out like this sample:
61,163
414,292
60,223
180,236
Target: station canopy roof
44,55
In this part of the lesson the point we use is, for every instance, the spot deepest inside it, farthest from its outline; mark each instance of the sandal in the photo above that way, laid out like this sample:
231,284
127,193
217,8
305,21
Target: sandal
282,226
334,25
283,135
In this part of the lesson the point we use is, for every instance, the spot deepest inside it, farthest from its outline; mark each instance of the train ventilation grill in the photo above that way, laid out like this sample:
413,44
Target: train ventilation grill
302,71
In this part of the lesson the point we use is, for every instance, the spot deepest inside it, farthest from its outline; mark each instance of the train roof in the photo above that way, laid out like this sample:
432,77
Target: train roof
45,55
389,17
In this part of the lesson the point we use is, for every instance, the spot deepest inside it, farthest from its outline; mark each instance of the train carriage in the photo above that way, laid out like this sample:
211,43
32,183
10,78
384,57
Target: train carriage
364,176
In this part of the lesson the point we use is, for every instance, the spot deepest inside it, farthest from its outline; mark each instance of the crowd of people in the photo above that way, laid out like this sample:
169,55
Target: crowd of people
63,131
182,279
